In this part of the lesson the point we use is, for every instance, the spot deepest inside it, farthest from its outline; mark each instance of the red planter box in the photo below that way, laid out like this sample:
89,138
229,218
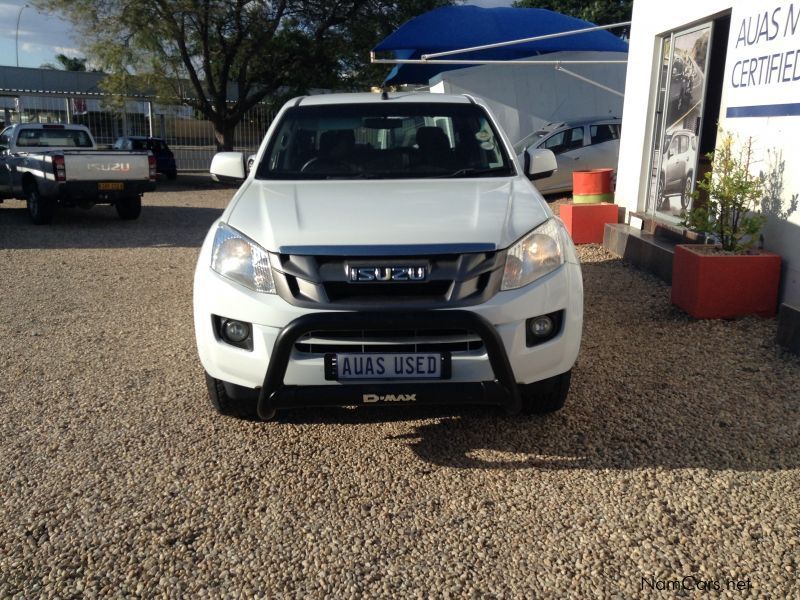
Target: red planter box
586,222
718,286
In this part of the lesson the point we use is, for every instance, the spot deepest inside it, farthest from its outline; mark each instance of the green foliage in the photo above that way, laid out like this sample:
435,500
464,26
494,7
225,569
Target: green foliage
67,63
772,179
601,12
224,56
731,212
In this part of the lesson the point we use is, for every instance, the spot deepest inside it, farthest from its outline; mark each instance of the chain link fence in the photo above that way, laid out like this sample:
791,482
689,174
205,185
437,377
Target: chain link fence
189,136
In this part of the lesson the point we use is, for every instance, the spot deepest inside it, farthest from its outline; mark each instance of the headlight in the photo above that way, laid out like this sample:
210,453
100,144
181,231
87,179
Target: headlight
239,258
537,254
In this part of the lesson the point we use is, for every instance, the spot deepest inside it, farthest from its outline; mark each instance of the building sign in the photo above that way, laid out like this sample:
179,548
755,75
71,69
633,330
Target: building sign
762,71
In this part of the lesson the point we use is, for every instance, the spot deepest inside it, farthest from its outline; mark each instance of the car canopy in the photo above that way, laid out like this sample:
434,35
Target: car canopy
455,27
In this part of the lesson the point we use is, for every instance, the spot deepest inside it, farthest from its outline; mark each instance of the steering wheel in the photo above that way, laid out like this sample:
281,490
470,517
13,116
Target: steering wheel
324,164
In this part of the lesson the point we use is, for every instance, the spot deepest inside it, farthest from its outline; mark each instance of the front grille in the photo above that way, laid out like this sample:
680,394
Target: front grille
359,341
376,292
452,280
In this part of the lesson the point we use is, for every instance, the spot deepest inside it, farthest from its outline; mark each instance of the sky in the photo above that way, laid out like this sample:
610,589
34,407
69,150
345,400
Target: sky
42,36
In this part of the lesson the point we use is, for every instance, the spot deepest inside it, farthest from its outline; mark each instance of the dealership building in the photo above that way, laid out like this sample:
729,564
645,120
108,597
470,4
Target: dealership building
699,65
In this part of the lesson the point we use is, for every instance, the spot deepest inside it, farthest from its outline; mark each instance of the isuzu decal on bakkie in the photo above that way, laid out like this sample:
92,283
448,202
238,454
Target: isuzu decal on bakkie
52,165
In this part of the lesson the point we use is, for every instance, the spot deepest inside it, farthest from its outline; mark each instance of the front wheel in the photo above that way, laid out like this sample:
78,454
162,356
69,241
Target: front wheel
245,407
662,200
40,209
129,208
686,195
546,396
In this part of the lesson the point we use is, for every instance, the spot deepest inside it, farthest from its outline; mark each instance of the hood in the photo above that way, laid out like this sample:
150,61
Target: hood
489,212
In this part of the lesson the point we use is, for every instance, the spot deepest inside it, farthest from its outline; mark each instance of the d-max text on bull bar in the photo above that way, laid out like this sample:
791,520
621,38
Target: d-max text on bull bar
387,249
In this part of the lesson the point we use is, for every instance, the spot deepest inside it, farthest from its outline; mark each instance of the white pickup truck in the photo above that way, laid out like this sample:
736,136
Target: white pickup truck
387,250
50,165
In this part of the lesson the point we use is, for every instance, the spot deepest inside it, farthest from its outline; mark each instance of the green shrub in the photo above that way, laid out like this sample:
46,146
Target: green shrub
731,213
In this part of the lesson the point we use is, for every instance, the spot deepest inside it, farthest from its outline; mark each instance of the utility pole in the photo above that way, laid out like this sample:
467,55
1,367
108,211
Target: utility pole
19,16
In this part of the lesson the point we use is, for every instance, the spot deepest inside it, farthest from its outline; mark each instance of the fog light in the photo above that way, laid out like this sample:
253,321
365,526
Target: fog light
541,326
235,331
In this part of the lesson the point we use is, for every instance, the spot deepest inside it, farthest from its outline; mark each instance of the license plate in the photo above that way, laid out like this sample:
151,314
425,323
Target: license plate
110,186
387,366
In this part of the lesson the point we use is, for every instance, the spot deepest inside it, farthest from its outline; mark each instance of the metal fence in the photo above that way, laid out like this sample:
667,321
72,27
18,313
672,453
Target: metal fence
190,137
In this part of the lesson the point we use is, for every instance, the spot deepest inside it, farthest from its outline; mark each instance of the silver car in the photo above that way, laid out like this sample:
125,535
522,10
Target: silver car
578,145
677,167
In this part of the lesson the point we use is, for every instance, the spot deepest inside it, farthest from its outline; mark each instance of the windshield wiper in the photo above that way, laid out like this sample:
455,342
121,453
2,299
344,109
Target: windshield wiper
472,172
355,175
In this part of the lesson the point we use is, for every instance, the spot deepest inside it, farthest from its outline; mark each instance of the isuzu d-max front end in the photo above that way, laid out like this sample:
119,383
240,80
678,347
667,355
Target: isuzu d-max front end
387,249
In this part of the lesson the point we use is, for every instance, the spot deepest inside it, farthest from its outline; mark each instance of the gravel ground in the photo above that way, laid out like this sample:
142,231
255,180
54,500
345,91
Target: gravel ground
677,453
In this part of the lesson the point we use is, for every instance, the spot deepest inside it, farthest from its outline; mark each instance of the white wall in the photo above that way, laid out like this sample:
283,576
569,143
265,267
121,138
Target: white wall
769,133
525,97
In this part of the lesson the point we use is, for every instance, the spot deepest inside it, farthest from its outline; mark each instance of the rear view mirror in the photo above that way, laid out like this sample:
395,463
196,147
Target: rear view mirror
228,166
540,163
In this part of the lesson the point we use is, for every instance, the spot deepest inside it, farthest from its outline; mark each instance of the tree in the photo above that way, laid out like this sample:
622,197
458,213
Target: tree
67,63
224,56
601,12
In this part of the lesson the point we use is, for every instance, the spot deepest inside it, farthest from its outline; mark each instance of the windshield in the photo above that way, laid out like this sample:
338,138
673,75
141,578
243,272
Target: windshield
54,138
384,140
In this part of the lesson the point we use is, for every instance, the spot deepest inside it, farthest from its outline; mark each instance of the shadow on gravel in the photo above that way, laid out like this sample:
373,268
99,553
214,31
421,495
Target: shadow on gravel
188,182
652,388
652,431
99,227
369,415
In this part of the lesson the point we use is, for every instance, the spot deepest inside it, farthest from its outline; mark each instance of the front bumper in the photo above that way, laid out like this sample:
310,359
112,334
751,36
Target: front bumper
476,376
502,389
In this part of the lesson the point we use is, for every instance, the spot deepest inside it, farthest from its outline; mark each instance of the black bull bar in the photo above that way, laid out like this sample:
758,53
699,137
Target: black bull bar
502,391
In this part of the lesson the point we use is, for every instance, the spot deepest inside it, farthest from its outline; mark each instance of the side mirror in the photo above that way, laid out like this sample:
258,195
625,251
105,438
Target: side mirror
539,163
228,165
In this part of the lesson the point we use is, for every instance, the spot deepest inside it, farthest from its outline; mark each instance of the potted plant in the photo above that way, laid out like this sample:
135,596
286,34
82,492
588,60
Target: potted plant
731,276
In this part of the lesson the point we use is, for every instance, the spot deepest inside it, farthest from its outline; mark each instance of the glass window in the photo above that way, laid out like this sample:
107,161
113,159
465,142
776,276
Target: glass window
673,147
157,146
604,133
4,137
684,144
54,138
384,140
575,138
564,141
528,141
555,142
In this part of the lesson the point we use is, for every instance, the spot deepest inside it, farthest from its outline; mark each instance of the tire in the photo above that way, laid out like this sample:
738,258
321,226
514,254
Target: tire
241,408
129,209
172,175
546,396
686,192
662,200
40,209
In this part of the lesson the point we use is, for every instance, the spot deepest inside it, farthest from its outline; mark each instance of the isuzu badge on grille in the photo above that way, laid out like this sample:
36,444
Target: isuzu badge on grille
366,274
